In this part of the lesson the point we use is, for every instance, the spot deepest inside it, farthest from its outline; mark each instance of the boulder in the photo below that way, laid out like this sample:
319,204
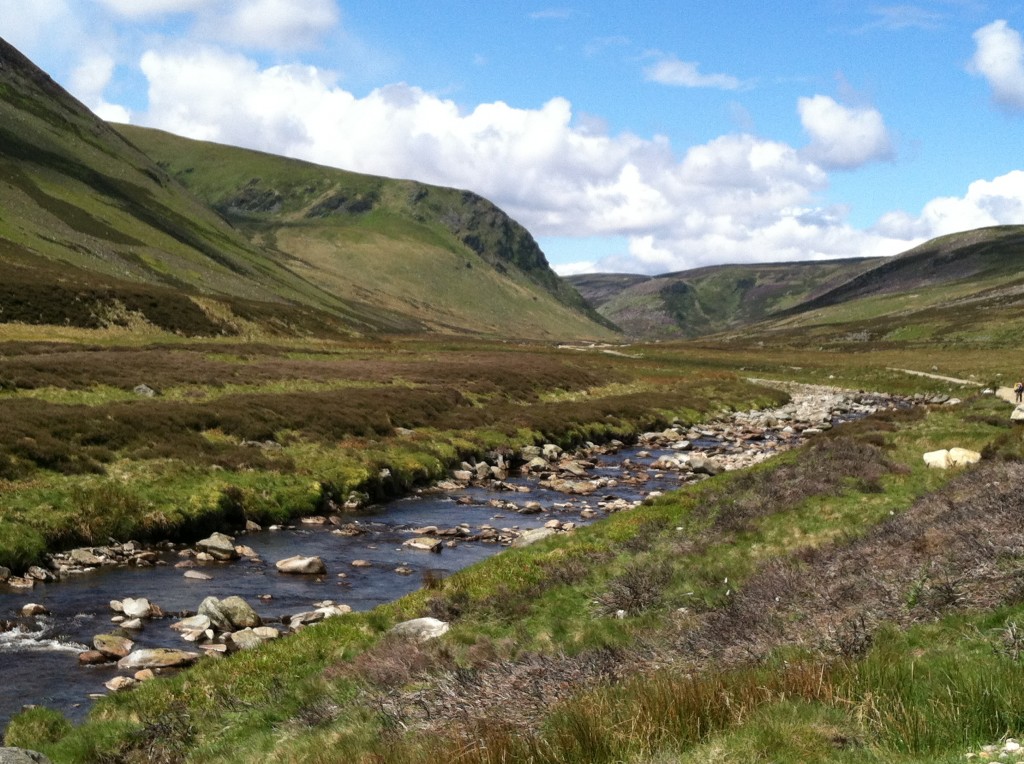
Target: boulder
420,629
195,623
961,457
85,557
299,565
240,613
245,639
533,536
219,546
158,657
34,608
136,607
426,543
937,459
5,574
119,683
92,658
1017,415
112,645
198,575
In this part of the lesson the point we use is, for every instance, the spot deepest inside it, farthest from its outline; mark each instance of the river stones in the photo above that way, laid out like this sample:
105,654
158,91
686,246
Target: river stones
245,639
420,629
299,565
86,557
219,546
533,536
119,683
158,657
135,607
198,575
299,620
92,658
229,613
34,608
197,622
426,543
112,645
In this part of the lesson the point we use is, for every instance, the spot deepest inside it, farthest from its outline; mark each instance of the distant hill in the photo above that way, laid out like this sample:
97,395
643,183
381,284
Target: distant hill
94,232
708,300
964,289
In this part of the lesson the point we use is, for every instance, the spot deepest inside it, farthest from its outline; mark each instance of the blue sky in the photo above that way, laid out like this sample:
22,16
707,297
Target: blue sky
627,136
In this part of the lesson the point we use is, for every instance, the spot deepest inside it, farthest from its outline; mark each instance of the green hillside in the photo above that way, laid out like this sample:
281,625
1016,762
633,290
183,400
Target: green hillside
707,300
95,234
961,289
447,258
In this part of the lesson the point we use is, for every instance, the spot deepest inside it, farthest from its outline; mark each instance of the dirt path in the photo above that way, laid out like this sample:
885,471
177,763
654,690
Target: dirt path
954,380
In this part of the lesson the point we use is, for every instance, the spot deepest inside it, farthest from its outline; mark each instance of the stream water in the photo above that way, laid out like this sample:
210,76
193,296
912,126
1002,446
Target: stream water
39,655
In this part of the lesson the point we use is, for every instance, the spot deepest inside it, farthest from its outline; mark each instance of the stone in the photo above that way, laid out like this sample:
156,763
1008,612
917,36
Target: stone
252,527
420,629
463,476
144,391
362,564
198,575
240,613
299,565
426,543
112,645
404,570
937,459
144,675
1017,415
266,633
133,607
533,536
119,683
961,457
92,658
132,624
195,623
13,755
34,608
158,657
245,639
85,557
219,546
5,574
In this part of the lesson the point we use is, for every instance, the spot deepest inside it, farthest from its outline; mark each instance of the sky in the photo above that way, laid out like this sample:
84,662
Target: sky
637,136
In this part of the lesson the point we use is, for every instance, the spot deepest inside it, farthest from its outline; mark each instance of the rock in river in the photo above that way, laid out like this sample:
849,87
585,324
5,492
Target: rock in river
112,646
158,657
298,564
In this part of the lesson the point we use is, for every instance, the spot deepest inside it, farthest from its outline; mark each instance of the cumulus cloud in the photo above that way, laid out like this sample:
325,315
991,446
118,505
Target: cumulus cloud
999,201
843,137
276,24
88,81
671,71
735,198
999,58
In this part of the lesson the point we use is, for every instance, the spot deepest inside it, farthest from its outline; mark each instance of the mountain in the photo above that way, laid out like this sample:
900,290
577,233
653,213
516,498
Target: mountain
447,258
95,233
708,300
964,288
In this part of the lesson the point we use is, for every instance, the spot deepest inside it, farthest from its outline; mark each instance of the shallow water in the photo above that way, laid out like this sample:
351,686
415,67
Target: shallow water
39,658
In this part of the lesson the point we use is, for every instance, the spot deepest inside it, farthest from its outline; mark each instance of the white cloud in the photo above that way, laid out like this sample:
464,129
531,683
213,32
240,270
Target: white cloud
735,198
141,8
999,201
276,24
843,137
88,81
671,71
999,58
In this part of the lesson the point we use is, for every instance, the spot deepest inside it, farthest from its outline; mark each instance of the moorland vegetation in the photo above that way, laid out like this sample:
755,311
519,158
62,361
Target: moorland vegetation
193,336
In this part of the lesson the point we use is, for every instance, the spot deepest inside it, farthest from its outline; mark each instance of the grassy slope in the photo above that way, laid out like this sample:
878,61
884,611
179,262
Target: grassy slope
94,233
962,289
444,257
708,300
80,208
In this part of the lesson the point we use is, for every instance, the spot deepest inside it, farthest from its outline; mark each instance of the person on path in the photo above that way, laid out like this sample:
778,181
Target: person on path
1018,390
